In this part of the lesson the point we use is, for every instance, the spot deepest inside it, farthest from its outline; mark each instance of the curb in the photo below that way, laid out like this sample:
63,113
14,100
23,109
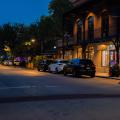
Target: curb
107,77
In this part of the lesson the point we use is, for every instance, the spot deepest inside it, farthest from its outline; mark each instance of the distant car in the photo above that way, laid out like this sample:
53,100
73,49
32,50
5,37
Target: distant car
16,63
8,62
5,62
78,67
57,66
43,65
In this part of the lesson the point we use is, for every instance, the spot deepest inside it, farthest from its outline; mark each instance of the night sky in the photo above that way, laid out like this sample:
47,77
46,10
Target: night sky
22,11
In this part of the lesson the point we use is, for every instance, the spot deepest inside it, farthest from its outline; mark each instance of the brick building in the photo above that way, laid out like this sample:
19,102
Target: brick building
93,32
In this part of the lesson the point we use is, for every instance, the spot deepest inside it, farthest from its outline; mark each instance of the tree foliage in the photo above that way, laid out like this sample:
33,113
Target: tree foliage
57,8
45,31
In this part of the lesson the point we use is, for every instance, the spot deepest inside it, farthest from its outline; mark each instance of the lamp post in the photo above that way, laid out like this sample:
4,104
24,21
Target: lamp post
30,43
29,53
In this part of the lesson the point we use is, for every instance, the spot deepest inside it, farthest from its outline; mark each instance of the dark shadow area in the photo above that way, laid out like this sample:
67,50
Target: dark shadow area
57,97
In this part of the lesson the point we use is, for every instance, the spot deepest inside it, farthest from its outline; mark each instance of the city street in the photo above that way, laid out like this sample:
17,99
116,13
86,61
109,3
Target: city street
47,49
32,95
18,82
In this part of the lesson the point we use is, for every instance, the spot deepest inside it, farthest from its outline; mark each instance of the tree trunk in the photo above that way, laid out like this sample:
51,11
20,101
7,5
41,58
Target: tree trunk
83,53
63,40
84,46
117,54
117,38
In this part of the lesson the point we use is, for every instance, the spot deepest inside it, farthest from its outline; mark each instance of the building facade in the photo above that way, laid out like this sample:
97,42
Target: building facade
92,31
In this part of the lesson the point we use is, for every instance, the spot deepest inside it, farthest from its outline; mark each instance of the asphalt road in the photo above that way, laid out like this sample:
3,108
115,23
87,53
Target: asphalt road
17,82
31,95
82,109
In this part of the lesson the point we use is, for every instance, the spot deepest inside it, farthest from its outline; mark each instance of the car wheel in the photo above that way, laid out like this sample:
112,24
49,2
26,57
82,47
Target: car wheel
117,75
92,76
64,72
74,73
56,70
49,69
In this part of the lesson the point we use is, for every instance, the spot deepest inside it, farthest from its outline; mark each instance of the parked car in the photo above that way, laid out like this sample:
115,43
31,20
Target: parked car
8,62
57,66
43,65
114,71
5,62
78,67
16,63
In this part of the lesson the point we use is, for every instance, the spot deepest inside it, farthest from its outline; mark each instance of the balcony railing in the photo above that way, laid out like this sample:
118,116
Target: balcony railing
97,37
98,34
66,43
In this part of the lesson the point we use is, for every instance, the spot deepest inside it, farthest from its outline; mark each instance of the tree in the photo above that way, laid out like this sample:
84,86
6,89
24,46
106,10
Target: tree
1,39
21,36
8,36
46,33
116,41
57,8
14,37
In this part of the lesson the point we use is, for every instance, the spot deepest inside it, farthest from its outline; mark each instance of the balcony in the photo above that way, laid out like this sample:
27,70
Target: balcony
98,34
66,43
97,38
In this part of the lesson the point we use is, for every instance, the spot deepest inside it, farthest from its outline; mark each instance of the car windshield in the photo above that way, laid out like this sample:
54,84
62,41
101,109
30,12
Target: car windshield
64,61
86,62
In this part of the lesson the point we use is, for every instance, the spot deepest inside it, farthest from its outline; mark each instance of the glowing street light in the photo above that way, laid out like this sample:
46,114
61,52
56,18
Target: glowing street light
27,43
33,40
55,47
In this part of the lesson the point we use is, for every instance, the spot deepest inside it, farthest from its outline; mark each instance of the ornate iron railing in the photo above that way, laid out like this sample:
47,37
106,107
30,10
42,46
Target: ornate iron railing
98,37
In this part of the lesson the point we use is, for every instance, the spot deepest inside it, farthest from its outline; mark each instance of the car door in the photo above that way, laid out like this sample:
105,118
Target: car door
53,66
69,67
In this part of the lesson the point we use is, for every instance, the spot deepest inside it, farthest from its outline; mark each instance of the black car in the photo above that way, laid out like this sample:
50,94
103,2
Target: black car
43,65
114,71
78,67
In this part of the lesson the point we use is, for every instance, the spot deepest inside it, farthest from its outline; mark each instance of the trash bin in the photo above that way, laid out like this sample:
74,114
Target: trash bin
114,71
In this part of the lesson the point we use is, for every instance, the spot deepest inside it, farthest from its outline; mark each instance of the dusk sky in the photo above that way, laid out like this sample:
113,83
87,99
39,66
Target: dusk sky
22,11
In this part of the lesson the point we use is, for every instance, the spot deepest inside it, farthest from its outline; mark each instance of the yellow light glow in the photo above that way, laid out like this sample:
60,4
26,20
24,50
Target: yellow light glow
7,48
102,47
33,40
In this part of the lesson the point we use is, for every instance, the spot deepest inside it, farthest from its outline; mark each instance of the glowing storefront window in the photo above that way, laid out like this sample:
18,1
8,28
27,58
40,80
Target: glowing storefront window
104,58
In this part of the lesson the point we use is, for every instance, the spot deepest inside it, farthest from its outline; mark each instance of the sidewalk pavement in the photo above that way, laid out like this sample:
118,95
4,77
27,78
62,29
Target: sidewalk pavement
106,75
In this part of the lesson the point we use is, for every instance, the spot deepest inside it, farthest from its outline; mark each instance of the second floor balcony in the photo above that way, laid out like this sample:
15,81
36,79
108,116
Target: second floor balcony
98,36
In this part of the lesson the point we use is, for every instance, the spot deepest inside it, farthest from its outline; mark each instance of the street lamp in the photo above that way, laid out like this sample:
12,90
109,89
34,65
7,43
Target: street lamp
33,40
54,47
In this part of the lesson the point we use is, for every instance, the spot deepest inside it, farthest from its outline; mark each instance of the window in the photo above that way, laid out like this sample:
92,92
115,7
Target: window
79,33
105,25
91,28
104,58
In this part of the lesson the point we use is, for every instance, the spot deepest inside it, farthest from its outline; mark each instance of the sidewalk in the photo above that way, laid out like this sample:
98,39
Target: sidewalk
106,75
